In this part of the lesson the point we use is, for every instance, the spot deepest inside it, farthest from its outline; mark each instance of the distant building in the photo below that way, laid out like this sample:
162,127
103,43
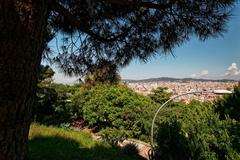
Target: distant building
179,87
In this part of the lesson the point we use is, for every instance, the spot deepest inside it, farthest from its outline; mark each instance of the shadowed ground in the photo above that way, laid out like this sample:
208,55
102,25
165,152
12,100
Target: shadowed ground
49,143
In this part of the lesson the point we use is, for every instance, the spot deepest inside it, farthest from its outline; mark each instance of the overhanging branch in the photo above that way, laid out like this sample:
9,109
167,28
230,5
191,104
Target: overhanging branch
137,3
82,27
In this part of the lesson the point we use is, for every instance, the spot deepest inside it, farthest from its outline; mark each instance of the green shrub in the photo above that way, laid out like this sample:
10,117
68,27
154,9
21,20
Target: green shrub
46,95
160,95
52,100
115,106
196,132
46,99
77,103
113,135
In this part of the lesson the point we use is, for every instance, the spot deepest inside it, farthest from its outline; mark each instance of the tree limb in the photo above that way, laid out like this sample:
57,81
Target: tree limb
138,3
76,23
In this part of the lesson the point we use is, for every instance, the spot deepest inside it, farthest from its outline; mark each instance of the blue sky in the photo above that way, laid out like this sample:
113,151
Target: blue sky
215,58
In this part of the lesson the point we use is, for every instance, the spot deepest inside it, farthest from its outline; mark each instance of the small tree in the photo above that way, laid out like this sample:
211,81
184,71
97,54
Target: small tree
46,96
160,95
51,98
102,72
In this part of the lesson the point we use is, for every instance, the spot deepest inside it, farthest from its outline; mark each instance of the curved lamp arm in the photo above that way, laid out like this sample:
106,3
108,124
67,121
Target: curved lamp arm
202,92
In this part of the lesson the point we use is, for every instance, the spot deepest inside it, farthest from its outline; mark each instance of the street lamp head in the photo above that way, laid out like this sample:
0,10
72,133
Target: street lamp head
221,91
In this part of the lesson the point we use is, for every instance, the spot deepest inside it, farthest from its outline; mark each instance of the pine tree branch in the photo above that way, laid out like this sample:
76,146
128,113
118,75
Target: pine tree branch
138,3
55,6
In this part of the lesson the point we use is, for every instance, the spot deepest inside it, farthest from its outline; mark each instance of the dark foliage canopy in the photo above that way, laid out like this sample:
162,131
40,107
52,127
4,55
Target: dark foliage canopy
119,31
102,72
160,95
45,73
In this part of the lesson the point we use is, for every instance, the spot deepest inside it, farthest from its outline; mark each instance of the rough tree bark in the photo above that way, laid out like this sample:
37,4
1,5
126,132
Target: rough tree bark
22,27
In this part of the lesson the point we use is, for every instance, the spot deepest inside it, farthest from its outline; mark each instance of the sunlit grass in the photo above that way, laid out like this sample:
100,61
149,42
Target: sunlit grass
50,143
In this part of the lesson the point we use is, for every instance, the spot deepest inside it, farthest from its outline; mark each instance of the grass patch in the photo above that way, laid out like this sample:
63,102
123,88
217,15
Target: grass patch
48,143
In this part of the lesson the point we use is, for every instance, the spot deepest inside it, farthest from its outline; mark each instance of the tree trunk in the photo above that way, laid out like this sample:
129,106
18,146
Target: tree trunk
22,27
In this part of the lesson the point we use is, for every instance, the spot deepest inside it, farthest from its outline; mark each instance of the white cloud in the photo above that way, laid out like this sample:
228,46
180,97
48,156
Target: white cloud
203,73
232,70
193,75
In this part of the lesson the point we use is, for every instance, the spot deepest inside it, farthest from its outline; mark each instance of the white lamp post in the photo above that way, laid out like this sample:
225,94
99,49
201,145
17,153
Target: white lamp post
201,92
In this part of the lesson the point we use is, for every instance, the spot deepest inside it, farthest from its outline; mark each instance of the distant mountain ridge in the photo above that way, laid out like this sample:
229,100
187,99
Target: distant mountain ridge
177,80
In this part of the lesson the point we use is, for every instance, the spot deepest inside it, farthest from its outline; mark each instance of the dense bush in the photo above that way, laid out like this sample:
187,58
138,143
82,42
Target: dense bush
113,135
160,95
115,107
46,99
64,94
229,105
52,100
46,96
53,105
195,131
78,100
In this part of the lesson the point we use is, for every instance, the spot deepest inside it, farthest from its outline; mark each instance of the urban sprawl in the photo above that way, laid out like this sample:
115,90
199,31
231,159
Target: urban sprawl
180,87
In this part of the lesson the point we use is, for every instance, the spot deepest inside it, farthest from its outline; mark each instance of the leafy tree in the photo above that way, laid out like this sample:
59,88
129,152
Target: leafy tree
160,95
63,112
103,72
229,105
46,96
46,74
52,100
118,31
195,132
116,111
